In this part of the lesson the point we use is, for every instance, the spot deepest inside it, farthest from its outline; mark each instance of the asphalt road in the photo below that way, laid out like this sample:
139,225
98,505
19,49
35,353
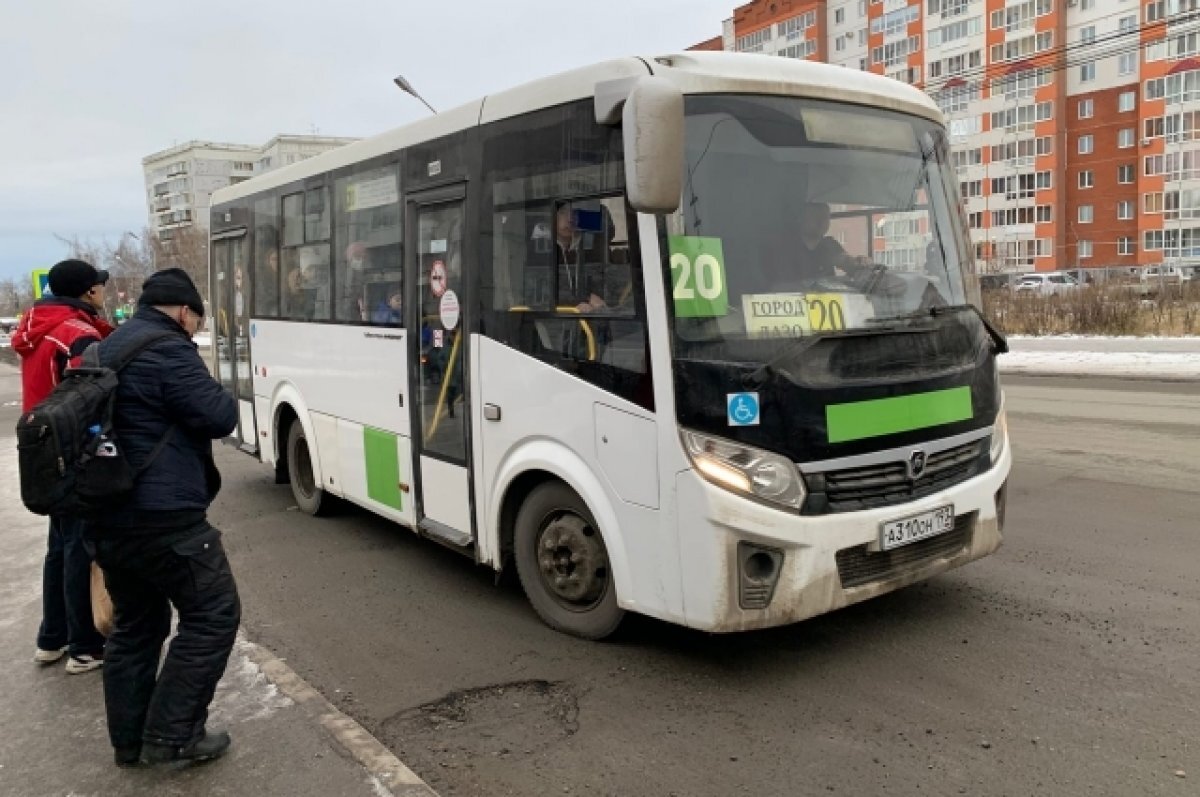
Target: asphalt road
1065,664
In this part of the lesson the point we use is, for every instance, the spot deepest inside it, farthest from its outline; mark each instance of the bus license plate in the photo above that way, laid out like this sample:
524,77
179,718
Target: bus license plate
895,533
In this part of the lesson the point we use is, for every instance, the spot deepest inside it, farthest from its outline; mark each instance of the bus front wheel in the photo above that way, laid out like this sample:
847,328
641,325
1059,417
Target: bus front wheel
563,564
309,496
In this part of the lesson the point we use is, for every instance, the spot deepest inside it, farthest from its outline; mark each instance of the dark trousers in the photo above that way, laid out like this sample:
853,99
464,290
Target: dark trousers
147,575
67,592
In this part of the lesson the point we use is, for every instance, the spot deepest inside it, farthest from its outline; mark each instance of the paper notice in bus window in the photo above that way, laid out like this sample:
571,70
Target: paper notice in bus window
698,276
372,193
791,315
776,315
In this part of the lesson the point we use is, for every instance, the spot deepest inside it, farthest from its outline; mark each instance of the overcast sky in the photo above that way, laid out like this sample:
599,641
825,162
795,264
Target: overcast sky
89,89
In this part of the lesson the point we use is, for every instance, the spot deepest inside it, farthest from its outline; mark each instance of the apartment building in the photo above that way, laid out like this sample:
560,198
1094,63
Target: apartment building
181,180
1073,122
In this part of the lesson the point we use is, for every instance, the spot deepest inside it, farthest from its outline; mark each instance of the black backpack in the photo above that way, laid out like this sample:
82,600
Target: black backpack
70,460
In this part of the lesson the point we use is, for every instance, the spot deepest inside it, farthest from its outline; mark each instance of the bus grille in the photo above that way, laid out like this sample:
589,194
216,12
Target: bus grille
858,566
888,484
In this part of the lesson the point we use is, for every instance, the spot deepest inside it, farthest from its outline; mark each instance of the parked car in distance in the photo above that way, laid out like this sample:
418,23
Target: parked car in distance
1170,274
1050,283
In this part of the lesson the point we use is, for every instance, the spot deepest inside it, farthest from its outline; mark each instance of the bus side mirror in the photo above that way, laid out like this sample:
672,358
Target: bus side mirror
652,127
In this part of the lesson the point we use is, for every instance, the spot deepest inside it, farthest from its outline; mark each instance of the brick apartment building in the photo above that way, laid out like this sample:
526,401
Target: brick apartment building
1074,123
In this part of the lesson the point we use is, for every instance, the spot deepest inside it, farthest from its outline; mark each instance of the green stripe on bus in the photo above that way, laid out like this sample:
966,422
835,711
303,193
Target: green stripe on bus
383,467
863,419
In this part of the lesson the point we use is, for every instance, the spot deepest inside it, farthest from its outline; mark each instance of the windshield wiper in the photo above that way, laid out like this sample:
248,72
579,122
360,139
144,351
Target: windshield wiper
1000,343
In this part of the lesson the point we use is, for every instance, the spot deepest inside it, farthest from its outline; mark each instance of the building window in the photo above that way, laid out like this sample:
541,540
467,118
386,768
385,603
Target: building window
1086,178
1125,245
1154,10
1182,86
1087,5
1086,214
1086,107
1154,89
753,42
1156,50
794,28
1152,202
1087,35
1125,138
1124,210
1085,249
839,16
1044,214
1125,173
1042,180
1087,72
1086,144
1127,63
1126,101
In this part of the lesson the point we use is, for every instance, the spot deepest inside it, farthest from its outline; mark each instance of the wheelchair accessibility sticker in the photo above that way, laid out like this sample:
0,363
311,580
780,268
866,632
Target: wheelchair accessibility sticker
742,409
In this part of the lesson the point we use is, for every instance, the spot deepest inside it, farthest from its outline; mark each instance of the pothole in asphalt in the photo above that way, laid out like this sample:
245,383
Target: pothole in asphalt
513,719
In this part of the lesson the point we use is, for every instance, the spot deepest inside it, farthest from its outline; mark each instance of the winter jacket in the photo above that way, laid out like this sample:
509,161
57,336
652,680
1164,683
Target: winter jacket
52,334
166,389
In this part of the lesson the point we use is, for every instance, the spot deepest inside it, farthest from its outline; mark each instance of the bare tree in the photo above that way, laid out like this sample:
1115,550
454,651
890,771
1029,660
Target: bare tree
130,262
9,305
186,248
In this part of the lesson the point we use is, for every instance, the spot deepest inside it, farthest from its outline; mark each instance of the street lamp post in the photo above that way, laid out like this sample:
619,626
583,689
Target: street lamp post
407,87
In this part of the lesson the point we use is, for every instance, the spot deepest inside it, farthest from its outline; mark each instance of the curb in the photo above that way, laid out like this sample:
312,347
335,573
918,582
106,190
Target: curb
359,744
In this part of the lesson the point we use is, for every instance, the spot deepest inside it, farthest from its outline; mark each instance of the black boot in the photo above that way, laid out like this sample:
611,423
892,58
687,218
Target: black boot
206,748
127,756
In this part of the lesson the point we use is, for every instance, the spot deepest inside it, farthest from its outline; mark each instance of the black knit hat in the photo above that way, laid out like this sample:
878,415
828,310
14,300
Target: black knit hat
171,286
71,279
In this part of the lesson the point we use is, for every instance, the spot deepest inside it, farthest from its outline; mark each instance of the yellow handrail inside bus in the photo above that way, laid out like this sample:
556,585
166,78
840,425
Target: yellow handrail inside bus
440,407
583,324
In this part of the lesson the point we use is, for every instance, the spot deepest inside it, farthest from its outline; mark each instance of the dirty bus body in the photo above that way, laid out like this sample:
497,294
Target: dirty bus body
577,328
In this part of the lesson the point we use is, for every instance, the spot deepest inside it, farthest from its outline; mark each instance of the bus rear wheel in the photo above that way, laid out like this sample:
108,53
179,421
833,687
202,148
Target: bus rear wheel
309,496
563,564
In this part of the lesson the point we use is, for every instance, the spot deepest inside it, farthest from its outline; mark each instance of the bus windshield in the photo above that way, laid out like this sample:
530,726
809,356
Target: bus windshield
804,219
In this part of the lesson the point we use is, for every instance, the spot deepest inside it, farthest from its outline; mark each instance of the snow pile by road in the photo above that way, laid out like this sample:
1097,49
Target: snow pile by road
1149,357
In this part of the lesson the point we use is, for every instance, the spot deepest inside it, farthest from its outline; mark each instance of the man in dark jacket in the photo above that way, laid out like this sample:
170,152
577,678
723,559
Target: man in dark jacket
50,336
159,551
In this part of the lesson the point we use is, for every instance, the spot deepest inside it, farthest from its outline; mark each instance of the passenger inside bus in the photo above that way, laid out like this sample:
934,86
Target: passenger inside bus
389,313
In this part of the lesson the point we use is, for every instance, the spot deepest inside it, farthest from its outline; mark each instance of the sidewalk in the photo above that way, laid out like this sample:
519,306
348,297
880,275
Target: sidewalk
288,740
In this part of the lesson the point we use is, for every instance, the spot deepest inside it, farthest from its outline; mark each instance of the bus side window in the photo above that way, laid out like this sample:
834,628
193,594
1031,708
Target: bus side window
265,285
306,273
369,265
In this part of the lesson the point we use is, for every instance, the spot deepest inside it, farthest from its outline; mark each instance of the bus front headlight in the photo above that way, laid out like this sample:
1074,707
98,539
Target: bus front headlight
744,469
999,435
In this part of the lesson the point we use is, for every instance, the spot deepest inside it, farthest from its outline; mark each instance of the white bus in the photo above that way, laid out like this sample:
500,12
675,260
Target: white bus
594,328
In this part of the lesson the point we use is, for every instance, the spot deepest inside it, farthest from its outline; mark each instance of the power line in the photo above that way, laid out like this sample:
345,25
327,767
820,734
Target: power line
999,69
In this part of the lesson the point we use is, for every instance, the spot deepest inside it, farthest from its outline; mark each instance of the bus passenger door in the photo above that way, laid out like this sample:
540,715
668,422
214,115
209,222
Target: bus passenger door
438,346
230,330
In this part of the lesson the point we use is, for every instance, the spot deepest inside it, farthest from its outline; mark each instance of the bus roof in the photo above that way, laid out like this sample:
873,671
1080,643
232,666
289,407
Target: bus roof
693,72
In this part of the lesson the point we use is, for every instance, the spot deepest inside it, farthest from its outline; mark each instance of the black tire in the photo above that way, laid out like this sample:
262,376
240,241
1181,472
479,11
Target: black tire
563,565
309,495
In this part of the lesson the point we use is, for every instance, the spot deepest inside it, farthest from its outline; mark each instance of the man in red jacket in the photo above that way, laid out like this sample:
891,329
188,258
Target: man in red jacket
50,336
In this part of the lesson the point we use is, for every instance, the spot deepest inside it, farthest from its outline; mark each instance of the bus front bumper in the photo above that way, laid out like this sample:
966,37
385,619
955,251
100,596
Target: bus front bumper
746,565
